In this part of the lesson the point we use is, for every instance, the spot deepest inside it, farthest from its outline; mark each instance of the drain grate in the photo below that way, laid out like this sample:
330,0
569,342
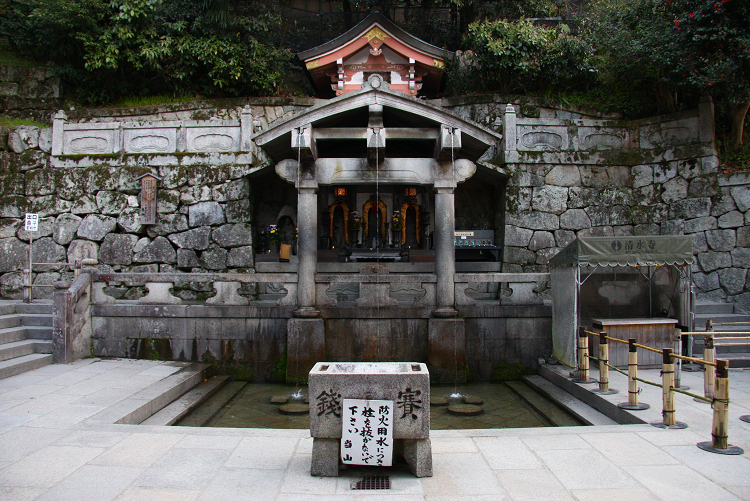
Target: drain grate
372,482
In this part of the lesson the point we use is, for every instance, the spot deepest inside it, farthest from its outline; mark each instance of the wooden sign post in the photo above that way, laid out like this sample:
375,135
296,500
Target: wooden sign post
148,198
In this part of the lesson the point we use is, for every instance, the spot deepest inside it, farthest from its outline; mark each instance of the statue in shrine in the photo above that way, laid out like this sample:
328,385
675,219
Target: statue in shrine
338,224
374,219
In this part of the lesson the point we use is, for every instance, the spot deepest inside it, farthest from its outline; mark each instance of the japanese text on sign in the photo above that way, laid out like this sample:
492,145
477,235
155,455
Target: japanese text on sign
148,200
367,432
31,223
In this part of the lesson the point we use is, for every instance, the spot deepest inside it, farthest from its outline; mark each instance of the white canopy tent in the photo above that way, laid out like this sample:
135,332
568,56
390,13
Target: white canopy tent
593,253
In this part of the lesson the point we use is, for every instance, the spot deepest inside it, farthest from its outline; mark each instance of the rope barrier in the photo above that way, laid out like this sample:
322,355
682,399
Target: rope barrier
648,348
704,333
691,359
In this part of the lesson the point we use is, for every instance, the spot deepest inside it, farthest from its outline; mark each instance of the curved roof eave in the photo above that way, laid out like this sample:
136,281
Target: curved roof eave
362,27
386,97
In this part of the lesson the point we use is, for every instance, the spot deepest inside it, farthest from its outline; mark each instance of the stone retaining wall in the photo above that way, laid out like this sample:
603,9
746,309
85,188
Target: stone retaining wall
28,92
657,176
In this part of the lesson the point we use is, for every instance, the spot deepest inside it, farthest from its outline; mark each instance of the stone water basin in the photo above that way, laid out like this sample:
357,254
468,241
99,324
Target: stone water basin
407,384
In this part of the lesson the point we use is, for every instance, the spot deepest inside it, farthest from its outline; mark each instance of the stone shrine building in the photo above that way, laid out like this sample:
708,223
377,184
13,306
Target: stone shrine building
376,222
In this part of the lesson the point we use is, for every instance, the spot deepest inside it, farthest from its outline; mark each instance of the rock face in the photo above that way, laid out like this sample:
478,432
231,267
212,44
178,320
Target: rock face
95,227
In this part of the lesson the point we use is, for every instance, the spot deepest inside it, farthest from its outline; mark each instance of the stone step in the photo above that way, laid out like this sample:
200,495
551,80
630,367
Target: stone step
714,308
36,319
700,321
203,415
44,308
7,321
181,407
25,347
554,414
22,332
576,407
7,307
22,364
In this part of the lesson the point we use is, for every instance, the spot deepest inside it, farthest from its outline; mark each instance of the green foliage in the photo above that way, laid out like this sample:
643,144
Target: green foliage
635,46
9,57
107,50
510,372
6,121
715,36
520,57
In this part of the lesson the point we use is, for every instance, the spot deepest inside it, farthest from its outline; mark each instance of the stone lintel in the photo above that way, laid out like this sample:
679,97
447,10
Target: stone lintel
422,171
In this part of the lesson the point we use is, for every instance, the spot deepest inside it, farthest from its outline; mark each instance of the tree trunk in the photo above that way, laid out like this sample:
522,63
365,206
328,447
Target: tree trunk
347,8
739,111
664,98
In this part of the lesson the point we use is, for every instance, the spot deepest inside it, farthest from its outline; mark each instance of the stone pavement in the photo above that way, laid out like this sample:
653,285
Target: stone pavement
57,442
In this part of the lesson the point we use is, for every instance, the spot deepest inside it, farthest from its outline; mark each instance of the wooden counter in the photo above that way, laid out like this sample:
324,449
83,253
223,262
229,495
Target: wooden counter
653,332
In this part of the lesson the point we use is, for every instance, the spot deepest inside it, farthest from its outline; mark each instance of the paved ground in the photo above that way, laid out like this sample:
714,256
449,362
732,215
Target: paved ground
56,442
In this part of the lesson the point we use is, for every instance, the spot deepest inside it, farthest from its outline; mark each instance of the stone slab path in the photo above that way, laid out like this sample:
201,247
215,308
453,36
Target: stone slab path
55,444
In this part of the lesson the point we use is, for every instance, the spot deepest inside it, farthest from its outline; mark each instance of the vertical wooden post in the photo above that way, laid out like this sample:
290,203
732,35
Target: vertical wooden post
603,361
709,355
677,348
720,428
667,381
633,404
632,373
583,351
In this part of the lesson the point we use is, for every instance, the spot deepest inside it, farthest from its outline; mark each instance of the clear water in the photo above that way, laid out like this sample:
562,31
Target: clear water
247,405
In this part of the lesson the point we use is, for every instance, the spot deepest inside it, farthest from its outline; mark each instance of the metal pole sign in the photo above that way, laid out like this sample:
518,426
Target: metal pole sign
367,432
31,224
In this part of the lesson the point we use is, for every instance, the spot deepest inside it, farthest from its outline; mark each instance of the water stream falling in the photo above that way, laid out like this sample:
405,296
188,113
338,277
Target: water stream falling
380,225
300,131
455,393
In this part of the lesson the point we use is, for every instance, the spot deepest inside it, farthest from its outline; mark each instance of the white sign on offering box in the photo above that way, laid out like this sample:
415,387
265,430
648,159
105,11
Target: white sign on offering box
367,432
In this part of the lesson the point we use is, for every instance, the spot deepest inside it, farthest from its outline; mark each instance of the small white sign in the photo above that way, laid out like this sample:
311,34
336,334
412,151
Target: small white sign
31,222
367,432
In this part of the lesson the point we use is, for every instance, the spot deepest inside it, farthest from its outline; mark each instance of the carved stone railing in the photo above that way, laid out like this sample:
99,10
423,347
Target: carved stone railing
83,144
225,284
71,318
686,134
375,286
522,285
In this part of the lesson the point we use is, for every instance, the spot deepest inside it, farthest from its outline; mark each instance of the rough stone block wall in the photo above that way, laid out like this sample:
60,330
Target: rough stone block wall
28,92
204,216
548,205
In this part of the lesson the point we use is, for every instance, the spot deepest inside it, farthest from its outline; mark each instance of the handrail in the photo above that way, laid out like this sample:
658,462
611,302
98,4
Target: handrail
195,277
375,278
500,277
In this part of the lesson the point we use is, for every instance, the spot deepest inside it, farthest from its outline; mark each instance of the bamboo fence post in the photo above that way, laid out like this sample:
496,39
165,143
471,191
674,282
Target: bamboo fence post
603,360
667,379
677,348
709,355
603,367
720,428
583,359
633,390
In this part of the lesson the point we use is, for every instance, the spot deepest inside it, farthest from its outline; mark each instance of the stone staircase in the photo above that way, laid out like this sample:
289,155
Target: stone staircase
25,336
738,356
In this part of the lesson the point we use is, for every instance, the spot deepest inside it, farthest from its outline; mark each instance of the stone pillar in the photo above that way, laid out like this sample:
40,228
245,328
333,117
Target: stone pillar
510,134
445,257
307,249
58,125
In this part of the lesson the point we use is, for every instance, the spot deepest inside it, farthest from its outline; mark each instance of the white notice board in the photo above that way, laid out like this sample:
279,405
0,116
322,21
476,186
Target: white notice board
367,432
31,222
